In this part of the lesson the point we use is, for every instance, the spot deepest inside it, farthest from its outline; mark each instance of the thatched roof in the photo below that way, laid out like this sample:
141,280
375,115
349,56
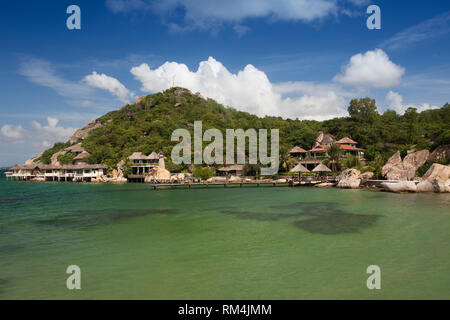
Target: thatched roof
298,150
327,139
153,156
138,156
299,169
321,168
346,140
236,167
65,167
82,156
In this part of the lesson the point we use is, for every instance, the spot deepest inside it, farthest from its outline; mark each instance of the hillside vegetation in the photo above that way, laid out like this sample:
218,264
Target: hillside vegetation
147,126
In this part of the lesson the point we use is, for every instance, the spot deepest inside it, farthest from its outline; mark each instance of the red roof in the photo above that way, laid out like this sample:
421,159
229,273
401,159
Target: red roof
319,149
348,147
346,140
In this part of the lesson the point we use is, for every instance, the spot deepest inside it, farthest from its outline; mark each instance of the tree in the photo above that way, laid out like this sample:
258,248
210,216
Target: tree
411,116
334,154
363,110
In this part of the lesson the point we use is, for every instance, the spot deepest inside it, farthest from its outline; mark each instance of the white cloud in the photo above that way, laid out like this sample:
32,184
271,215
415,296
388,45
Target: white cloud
212,14
110,84
26,142
12,132
79,93
371,69
42,73
428,29
51,131
395,101
248,90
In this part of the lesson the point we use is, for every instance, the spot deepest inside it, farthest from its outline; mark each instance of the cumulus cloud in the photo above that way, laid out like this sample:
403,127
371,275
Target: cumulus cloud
110,84
395,101
371,69
33,139
12,132
247,90
52,131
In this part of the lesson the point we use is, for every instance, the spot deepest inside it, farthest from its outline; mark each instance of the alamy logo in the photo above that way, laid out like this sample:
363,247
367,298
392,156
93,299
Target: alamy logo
213,153
374,21
74,20
374,281
74,280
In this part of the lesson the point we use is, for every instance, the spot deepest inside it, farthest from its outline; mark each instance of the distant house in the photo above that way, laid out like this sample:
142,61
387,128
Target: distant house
234,170
298,152
319,152
142,164
43,172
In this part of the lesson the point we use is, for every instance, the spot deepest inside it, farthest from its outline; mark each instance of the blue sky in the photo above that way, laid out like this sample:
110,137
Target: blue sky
294,58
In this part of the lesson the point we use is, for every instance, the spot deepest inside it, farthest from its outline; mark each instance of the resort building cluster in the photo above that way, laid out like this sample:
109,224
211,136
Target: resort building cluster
149,168
314,157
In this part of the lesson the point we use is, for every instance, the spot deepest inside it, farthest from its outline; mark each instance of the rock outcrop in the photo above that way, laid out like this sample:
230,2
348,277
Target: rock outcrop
396,169
349,179
436,179
401,186
115,177
158,174
83,133
33,160
54,158
324,185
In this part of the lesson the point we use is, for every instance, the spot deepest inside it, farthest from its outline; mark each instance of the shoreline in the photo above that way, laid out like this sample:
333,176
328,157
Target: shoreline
237,185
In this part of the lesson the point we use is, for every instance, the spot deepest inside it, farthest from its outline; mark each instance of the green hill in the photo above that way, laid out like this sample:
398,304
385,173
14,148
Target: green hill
147,126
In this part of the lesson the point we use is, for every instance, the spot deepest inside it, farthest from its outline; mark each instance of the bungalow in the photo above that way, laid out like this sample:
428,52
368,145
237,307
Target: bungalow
142,164
43,172
234,170
298,153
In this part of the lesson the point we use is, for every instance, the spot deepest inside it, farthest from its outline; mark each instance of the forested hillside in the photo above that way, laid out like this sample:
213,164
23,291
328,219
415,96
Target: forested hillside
147,126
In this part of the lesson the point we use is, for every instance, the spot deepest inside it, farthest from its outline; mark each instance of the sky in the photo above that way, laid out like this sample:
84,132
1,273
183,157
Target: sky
302,59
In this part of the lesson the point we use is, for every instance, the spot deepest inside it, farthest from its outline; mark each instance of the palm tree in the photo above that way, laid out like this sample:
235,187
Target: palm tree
334,155
285,162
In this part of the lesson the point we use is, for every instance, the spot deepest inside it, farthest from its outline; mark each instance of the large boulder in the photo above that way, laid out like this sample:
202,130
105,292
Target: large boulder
234,179
159,174
415,160
392,162
400,186
396,169
436,179
349,179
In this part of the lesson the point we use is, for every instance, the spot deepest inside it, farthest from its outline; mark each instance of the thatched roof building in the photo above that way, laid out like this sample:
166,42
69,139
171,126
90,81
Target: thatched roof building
321,168
299,169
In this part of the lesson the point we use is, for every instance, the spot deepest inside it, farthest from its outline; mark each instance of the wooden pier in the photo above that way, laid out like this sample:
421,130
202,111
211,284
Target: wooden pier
219,185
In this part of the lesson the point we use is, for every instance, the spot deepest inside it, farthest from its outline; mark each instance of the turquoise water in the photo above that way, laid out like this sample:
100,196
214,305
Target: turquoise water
254,243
